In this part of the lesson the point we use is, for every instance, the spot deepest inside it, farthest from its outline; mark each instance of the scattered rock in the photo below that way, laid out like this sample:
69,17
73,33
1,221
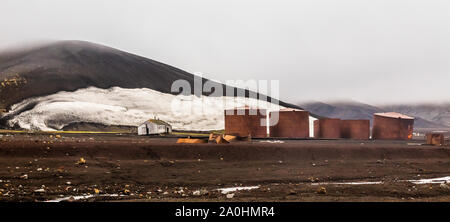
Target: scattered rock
200,192
230,195
444,186
321,190
81,161
167,163
25,177
39,190
180,191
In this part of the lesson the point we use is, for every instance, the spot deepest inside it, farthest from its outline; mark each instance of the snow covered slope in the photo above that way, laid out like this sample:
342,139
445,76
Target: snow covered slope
119,106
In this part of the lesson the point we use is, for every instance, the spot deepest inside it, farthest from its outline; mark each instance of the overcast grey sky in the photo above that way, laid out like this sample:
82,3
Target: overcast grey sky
377,51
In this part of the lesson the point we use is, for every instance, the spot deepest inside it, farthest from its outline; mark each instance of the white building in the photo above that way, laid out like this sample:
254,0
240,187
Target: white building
154,126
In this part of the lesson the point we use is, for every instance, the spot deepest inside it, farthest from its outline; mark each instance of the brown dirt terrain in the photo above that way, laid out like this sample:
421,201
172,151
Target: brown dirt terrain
40,167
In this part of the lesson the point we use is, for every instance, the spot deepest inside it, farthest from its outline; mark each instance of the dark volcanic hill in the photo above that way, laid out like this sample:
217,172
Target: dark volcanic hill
71,65
355,110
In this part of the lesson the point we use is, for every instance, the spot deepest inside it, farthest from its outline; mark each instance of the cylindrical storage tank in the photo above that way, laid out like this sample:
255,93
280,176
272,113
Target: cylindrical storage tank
393,126
355,129
292,123
327,128
245,122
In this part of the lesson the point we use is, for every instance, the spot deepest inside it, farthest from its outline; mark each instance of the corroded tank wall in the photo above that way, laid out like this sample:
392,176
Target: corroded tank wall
245,124
355,129
327,128
291,124
392,128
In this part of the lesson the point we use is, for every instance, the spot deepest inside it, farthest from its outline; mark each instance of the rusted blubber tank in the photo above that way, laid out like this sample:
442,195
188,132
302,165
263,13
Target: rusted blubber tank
355,129
292,123
327,128
245,122
392,126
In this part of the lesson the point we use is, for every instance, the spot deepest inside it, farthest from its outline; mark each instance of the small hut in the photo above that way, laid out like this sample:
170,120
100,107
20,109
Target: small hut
154,126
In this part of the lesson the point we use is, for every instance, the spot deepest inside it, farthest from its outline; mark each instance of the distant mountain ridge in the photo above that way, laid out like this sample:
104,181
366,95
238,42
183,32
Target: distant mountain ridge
431,112
427,116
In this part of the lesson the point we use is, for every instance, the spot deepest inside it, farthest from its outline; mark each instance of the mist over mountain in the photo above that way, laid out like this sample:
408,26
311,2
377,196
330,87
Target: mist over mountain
439,113
427,116
51,85
70,65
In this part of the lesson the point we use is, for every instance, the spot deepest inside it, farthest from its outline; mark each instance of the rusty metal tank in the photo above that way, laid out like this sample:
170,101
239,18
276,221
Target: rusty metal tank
245,122
292,123
392,126
327,128
355,129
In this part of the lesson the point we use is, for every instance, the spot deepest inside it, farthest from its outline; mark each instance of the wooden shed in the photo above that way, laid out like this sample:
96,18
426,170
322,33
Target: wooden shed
154,126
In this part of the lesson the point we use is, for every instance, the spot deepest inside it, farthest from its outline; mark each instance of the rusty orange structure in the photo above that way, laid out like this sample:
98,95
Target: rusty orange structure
189,140
436,139
327,128
355,129
292,123
392,126
244,122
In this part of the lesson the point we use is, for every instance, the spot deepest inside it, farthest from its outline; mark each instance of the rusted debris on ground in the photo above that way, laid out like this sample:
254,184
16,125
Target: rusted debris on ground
435,139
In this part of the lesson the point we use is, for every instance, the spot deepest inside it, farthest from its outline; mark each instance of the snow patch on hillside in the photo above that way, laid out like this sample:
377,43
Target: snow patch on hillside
119,106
